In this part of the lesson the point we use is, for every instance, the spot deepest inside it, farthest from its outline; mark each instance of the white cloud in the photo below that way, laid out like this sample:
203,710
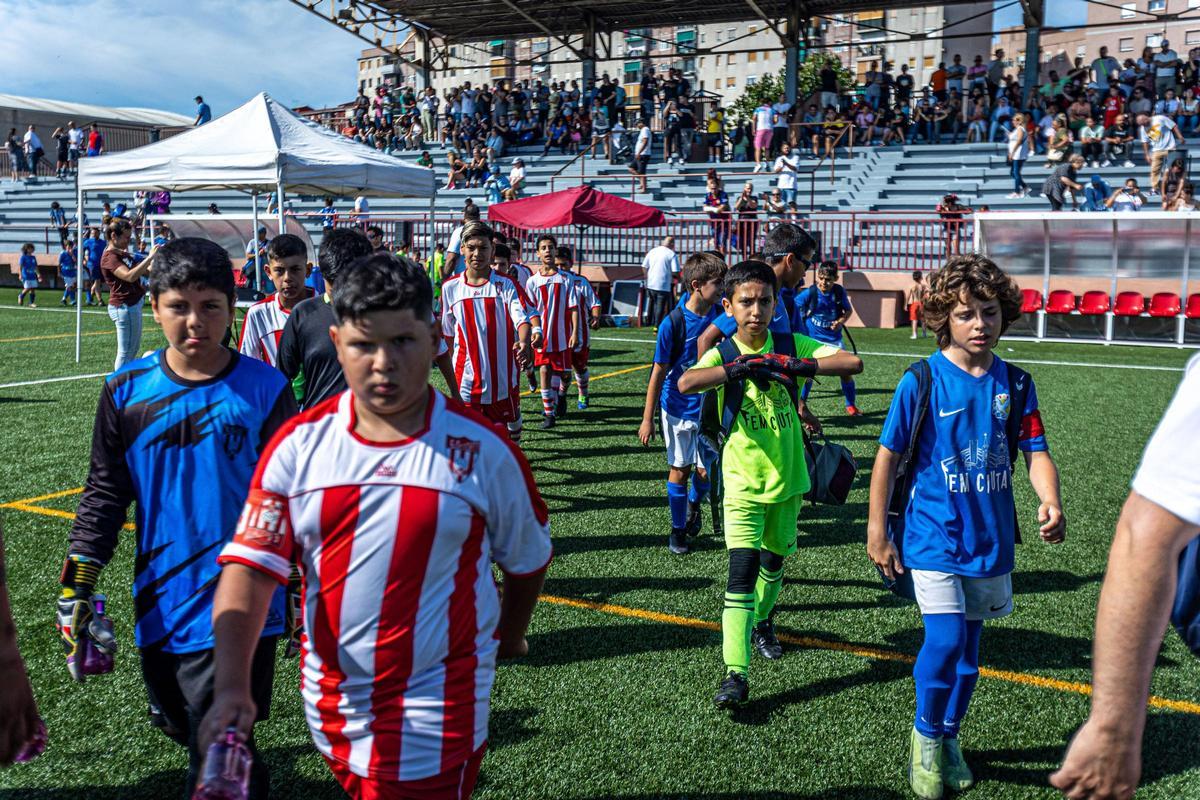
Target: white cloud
162,53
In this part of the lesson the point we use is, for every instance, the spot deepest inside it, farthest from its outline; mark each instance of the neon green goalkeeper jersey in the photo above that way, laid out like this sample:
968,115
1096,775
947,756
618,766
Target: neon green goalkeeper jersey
763,460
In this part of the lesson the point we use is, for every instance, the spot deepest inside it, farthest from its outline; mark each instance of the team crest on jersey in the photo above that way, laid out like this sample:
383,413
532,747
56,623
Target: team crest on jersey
1001,405
461,452
264,520
233,438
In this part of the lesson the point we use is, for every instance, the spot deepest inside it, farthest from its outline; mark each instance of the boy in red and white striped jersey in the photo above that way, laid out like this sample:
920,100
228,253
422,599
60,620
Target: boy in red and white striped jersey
287,267
553,293
588,305
485,319
395,501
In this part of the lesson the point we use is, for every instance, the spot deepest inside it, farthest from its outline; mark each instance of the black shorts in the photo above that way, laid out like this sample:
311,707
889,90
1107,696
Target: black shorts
639,164
180,690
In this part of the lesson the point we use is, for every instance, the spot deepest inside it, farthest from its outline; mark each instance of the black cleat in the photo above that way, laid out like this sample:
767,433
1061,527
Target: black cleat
547,421
695,520
678,544
765,642
561,409
733,691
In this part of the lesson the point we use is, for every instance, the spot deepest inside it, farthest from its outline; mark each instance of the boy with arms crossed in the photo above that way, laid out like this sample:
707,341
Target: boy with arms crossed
762,466
960,522
395,501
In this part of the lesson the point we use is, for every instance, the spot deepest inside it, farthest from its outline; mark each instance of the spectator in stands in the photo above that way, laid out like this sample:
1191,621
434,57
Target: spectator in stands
937,81
660,266
904,86
764,117
1096,194
1058,147
995,74
956,74
871,84
33,150
95,141
1018,153
1128,198
775,205
977,126
1158,134
1171,184
1166,61
212,209
1185,201
58,220
779,128
746,206
1091,141
74,145
641,154
897,130
1104,70
1189,112
1001,120
785,168
716,204
457,173
203,112
1062,181
1139,103
1168,104
828,80
864,123
16,155
1117,139
62,148
516,180
952,213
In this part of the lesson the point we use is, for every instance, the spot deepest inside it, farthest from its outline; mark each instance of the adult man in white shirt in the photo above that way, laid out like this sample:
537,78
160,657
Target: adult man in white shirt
955,73
764,122
785,168
779,127
1102,70
33,150
660,266
74,144
1160,518
641,154
362,209
1165,62
1158,135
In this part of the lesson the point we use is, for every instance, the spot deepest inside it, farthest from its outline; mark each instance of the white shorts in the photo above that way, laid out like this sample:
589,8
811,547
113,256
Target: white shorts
978,598
29,284
684,445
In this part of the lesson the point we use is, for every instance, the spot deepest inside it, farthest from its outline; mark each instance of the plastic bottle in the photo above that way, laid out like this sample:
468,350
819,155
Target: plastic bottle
226,770
99,647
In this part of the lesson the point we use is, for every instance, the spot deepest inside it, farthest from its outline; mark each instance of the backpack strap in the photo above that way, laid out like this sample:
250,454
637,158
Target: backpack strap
1018,388
678,333
720,407
898,503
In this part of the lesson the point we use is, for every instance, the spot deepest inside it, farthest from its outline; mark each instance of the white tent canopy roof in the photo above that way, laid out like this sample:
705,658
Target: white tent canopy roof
259,146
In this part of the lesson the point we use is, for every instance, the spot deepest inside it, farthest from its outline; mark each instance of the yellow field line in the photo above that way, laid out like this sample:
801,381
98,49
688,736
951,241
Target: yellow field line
863,651
605,375
51,512
54,336
42,497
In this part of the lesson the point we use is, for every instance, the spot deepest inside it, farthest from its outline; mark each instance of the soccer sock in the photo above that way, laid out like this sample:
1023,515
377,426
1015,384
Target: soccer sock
583,378
805,390
548,402
738,615
770,581
677,500
967,674
556,384
934,672
849,391
699,490
514,430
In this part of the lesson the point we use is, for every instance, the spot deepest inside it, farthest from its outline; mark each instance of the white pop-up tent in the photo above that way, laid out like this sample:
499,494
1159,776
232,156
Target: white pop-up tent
262,146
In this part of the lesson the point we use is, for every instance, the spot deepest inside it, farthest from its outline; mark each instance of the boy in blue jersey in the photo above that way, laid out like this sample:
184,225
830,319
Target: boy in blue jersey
93,250
703,275
70,274
960,523
30,279
179,433
821,312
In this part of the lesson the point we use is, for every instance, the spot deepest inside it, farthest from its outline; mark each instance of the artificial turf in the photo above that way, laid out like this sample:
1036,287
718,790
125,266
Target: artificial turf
612,703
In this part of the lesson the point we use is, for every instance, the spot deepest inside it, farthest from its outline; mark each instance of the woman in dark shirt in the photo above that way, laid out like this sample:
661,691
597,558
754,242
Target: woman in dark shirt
124,278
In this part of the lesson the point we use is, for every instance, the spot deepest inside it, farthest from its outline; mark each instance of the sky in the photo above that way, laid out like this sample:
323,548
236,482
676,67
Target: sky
162,53
1059,13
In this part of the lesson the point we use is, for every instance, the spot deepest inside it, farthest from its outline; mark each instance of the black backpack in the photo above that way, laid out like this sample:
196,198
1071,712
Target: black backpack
1018,383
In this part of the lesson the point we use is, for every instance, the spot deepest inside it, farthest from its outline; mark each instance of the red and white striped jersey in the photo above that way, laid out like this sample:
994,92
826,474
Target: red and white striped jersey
554,296
523,273
395,541
262,328
587,300
481,322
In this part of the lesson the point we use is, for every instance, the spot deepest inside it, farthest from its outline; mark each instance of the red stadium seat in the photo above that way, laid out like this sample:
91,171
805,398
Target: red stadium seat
1095,304
1165,304
1130,304
1061,301
1193,307
1031,301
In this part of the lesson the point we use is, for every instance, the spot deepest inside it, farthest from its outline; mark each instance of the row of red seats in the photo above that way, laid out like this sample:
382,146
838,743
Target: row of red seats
1096,303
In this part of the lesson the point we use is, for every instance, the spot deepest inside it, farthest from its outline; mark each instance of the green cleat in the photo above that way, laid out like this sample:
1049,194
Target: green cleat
924,767
955,772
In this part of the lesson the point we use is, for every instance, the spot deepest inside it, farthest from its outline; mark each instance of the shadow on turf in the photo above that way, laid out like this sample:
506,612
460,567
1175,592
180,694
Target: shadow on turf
841,793
599,590
596,642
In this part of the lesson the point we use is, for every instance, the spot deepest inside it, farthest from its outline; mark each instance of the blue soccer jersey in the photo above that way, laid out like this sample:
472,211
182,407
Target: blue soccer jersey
674,402
94,251
184,451
66,264
960,516
28,266
816,311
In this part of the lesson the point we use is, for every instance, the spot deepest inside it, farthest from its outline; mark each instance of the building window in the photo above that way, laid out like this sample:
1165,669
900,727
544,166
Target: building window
701,62
1191,37
730,83
719,35
717,62
1125,44
1153,40
751,80
1128,10
1081,50
752,56
1158,5
731,59
928,62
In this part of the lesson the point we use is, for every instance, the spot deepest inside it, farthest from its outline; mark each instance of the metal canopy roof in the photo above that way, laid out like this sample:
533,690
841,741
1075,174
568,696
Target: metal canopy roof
474,20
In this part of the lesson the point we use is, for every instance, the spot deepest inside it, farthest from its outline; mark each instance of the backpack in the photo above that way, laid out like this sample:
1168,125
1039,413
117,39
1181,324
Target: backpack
1018,383
1185,613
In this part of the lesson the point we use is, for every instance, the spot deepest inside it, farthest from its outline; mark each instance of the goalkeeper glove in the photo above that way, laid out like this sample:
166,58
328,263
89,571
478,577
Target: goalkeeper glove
764,367
85,632
294,614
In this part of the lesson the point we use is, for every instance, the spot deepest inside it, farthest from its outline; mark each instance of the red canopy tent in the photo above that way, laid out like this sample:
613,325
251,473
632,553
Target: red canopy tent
579,205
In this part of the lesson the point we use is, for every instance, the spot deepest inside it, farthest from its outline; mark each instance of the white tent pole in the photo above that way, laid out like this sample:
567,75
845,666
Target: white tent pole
254,238
78,270
279,205
430,245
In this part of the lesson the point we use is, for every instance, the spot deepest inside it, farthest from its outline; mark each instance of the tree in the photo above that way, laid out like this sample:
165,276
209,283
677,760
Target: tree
769,86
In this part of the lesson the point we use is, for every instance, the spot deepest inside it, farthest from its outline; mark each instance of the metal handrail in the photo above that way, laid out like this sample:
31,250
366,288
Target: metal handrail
578,157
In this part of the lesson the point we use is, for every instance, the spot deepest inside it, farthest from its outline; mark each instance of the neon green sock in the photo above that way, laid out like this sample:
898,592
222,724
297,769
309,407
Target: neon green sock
735,631
766,592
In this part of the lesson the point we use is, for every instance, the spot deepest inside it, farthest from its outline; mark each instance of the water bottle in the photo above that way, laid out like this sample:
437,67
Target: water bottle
226,770
34,747
99,647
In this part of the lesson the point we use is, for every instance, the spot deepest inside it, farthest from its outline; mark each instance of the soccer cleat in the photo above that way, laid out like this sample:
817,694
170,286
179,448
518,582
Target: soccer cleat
765,642
733,691
547,421
924,766
583,403
677,544
955,772
695,519
852,411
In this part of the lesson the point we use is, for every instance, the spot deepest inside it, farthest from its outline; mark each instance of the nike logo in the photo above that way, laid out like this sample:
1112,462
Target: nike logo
944,414
1020,386
999,607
